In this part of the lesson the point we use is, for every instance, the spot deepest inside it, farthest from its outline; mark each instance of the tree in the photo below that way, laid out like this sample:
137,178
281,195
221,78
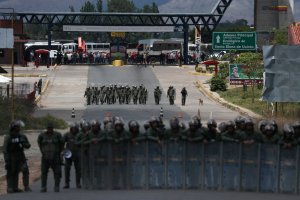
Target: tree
88,7
124,6
280,37
155,8
99,5
254,69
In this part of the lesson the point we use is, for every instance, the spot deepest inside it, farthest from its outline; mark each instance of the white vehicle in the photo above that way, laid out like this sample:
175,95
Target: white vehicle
70,47
92,47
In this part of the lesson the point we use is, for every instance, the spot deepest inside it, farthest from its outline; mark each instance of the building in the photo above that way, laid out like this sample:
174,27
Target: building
294,34
19,40
270,15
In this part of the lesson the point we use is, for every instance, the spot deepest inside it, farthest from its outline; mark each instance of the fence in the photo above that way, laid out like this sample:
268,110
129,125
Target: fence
183,165
21,90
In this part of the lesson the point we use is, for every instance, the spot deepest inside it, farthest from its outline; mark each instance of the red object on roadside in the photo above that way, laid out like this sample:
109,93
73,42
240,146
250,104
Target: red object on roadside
212,62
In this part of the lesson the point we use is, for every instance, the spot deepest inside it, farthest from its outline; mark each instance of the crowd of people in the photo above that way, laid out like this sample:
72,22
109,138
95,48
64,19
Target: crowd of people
124,94
69,58
53,145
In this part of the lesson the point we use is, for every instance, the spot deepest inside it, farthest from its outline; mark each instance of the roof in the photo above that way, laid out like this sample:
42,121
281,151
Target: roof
294,34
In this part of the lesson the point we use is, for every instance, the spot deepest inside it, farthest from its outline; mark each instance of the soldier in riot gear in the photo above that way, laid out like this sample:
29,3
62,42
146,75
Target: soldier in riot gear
154,132
135,94
95,134
134,129
70,145
15,161
175,132
288,140
249,136
192,134
239,124
119,133
212,134
51,145
171,94
184,94
157,95
222,127
230,135
270,136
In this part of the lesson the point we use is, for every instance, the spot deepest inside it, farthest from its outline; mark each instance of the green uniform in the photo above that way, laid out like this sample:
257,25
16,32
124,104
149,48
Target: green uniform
71,144
174,134
154,134
119,136
230,137
274,139
255,137
193,135
51,146
15,160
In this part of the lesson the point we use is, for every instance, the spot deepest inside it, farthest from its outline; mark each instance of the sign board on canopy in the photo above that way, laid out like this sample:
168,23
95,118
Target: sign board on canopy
7,38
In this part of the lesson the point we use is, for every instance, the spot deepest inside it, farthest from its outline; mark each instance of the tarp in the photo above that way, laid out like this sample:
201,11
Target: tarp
282,73
4,79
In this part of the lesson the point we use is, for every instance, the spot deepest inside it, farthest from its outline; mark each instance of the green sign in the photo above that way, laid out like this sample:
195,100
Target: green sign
234,41
237,75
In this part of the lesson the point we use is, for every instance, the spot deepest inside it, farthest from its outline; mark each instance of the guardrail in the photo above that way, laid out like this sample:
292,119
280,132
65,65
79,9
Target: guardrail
183,165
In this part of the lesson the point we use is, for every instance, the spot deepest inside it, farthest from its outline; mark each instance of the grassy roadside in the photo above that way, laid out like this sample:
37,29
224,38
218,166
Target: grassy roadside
244,99
23,111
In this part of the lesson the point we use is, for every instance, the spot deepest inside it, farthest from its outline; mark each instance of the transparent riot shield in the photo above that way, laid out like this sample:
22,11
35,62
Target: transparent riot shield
156,165
231,176
85,167
249,168
138,164
194,165
175,164
119,164
288,170
212,170
269,168
100,165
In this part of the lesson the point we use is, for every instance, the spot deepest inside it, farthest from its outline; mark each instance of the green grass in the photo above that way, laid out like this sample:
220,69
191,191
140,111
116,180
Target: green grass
24,111
244,99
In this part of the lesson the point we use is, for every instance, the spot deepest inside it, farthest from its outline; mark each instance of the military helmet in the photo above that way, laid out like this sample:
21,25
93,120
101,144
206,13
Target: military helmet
154,119
17,123
269,127
296,124
274,123
132,124
74,125
193,122
174,122
211,122
222,127
288,129
198,119
262,124
119,122
146,125
95,123
107,120
249,121
239,120
230,123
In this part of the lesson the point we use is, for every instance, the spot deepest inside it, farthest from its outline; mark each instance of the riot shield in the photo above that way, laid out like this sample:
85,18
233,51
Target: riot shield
269,168
100,165
212,171
85,167
249,168
156,165
288,170
137,165
175,164
119,165
194,165
231,176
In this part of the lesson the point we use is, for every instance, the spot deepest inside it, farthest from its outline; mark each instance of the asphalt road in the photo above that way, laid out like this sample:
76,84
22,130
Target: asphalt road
67,85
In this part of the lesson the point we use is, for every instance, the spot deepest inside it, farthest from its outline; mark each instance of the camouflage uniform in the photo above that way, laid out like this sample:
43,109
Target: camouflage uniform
51,145
71,145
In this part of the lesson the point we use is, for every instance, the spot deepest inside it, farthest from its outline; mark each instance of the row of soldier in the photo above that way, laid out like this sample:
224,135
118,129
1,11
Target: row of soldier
124,94
53,144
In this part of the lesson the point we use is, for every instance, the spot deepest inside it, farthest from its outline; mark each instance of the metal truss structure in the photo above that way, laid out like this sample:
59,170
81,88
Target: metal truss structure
206,21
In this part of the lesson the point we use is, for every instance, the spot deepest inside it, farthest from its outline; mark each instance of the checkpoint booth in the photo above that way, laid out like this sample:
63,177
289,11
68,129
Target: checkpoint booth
41,57
212,62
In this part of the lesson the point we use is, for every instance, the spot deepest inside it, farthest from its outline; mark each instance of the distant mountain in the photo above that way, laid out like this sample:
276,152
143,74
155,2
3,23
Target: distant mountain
237,10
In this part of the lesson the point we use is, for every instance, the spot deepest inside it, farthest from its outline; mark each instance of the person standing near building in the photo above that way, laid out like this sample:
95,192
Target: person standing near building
51,145
15,161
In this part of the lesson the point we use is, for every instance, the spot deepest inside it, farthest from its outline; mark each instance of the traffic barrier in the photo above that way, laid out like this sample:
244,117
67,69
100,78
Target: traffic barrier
177,164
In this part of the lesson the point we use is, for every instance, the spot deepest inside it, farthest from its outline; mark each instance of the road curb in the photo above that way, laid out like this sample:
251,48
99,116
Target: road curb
38,98
225,103
26,75
199,73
